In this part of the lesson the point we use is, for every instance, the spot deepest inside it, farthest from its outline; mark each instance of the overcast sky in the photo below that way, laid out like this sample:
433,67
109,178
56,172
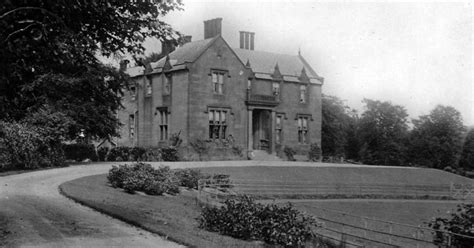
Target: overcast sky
414,54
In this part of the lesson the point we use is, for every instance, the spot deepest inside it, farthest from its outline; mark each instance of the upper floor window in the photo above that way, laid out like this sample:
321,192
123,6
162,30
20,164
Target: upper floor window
131,125
278,129
249,84
148,87
133,93
276,88
167,85
303,129
303,94
163,123
218,82
217,124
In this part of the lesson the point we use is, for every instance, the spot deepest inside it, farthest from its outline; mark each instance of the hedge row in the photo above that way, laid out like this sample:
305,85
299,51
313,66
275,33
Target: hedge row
80,152
273,224
143,177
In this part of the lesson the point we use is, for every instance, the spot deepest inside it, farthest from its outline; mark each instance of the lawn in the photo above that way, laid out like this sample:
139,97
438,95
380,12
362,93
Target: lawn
173,217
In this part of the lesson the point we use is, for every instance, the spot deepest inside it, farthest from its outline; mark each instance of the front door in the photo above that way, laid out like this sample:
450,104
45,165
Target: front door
261,122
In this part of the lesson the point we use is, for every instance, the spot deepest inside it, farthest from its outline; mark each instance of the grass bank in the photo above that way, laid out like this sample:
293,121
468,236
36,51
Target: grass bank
173,217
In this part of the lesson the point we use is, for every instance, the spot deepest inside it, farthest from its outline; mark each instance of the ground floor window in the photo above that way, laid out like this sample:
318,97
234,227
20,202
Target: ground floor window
303,129
278,129
217,124
164,115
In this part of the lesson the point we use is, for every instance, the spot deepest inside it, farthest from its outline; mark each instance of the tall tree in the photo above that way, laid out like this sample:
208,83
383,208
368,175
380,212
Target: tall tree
48,58
436,138
335,124
467,155
382,131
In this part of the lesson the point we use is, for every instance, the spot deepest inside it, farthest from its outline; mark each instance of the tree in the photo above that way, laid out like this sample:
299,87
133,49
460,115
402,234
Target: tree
436,138
335,124
48,57
459,222
467,154
382,132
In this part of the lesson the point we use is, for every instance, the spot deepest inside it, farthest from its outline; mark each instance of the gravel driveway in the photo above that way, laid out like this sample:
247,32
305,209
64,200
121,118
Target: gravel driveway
34,214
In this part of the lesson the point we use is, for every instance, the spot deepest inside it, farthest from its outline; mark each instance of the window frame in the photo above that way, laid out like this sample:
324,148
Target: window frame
131,126
218,86
218,129
148,86
276,91
279,128
164,123
133,92
303,90
167,84
303,128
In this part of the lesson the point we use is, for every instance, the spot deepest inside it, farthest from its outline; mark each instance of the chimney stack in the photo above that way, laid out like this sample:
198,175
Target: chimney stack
212,28
167,46
123,65
247,40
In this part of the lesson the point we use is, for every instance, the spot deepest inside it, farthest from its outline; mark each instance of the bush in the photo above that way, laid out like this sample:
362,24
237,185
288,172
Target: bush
143,177
136,153
201,147
152,154
23,146
102,153
120,153
460,222
245,219
169,154
80,152
290,153
314,154
189,177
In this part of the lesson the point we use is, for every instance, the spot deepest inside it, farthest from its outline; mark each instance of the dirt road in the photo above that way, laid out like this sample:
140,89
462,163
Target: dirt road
34,214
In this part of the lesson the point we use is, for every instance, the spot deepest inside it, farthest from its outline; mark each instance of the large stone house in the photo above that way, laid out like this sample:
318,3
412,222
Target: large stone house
207,90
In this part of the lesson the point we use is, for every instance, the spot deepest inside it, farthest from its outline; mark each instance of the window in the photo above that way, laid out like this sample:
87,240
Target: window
276,88
148,86
218,82
167,85
303,94
278,128
131,125
217,124
303,129
164,115
249,84
133,93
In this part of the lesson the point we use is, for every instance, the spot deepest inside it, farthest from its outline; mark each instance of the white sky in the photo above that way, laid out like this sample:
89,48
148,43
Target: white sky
415,54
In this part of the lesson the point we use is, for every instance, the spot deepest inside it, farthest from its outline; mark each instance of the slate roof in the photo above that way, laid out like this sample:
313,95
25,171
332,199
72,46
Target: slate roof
261,63
134,71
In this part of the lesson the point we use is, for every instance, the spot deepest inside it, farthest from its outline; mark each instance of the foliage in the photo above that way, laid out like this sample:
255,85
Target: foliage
334,126
102,153
383,129
200,146
436,138
119,153
314,152
48,50
169,154
460,222
237,150
189,177
245,219
467,155
143,177
290,153
176,140
79,152
24,146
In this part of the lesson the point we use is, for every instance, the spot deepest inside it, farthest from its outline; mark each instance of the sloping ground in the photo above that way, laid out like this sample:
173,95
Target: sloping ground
341,181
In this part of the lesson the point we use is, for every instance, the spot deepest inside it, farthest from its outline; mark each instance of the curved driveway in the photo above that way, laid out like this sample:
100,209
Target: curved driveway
36,215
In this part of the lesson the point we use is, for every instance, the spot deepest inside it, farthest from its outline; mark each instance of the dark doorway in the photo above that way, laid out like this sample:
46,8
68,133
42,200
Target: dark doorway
261,123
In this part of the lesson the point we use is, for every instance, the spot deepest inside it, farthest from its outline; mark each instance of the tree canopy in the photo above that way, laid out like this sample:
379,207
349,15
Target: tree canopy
467,155
436,138
335,123
48,57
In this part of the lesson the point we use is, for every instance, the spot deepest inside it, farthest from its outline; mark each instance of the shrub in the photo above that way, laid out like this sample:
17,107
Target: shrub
80,152
143,177
314,152
169,154
120,153
460,222
290,153
136,153
189,177
200,146
24,146
245,219
152,154
237,150
102,153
